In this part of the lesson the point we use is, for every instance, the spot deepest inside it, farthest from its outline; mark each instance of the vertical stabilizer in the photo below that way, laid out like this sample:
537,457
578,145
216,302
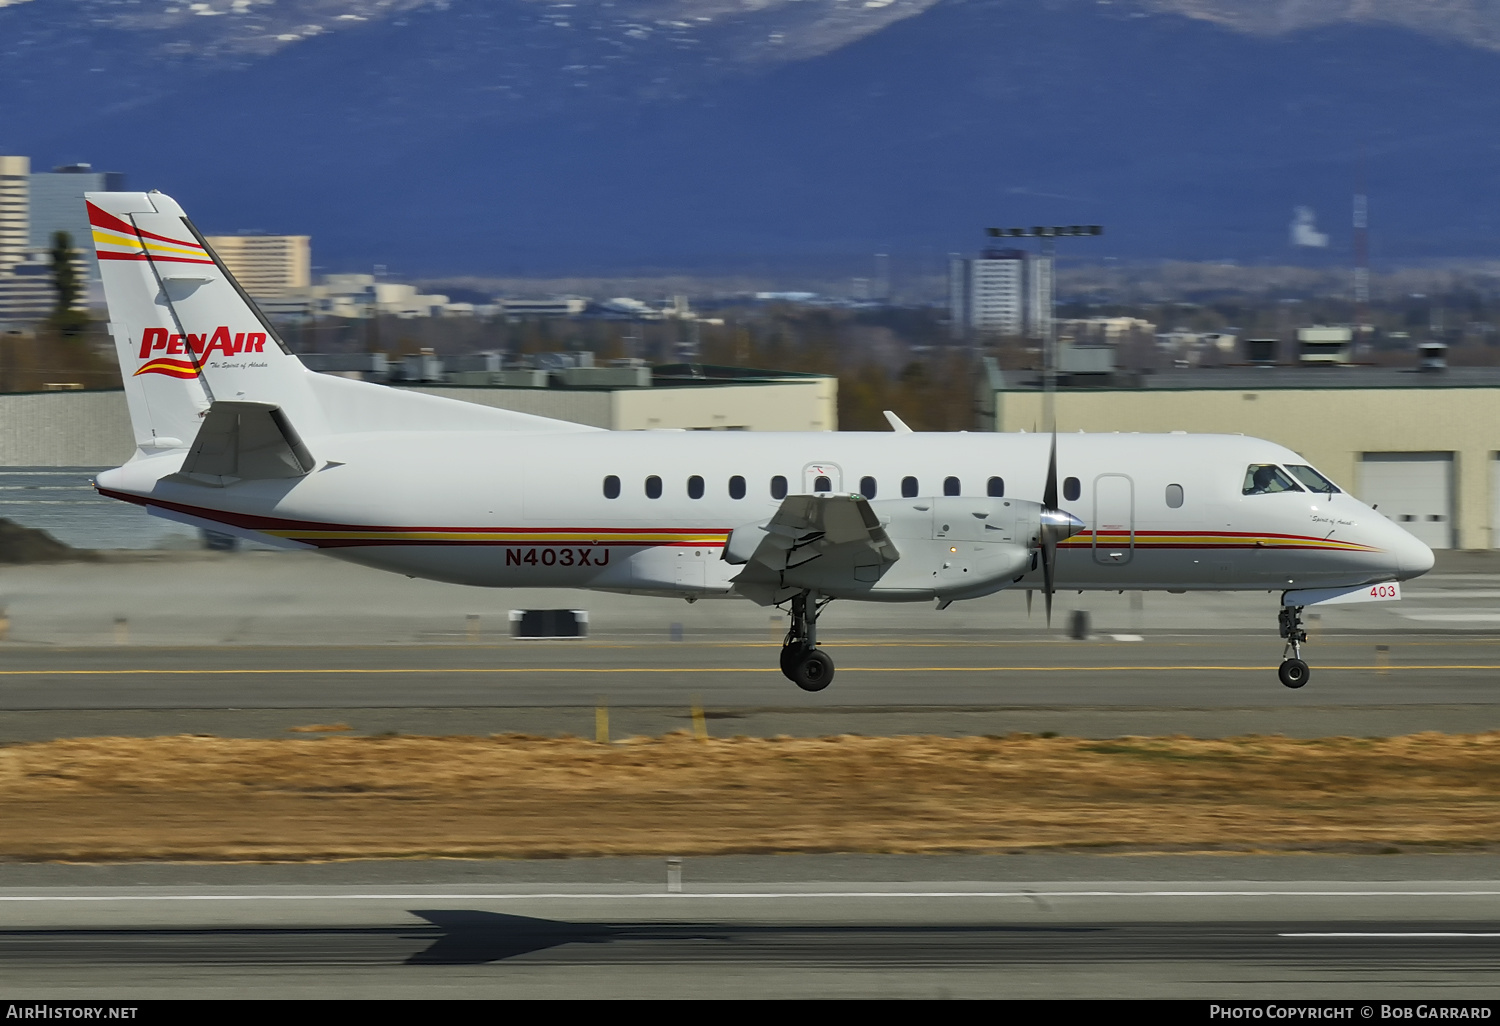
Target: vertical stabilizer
185,332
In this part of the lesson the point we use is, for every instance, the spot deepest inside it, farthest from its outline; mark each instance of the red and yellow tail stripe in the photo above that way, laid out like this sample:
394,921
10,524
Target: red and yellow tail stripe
171,368
116,239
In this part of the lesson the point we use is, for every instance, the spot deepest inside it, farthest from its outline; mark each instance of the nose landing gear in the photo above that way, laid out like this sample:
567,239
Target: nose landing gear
803,663
1293,671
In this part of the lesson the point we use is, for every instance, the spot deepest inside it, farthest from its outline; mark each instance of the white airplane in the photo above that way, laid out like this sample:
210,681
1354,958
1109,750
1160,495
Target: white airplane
235,435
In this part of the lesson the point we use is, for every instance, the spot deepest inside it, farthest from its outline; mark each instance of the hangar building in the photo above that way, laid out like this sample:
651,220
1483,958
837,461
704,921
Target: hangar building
1423,446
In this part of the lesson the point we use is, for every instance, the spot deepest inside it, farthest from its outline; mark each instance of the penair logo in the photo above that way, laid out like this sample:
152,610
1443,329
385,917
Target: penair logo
159,346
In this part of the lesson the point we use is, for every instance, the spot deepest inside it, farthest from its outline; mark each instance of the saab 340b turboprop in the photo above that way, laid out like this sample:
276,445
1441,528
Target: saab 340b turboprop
234,434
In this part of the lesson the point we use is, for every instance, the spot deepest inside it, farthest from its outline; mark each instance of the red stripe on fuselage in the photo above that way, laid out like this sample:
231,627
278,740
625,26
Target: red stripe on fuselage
255,522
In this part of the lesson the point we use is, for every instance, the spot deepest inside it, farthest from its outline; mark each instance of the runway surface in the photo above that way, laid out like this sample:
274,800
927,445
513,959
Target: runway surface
590,936
1201,684
252,644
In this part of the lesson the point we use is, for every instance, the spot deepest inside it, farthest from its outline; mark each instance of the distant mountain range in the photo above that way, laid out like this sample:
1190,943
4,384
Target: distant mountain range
518,137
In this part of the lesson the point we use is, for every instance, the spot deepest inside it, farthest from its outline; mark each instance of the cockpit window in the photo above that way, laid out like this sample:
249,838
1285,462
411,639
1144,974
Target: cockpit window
1314,481
1264,478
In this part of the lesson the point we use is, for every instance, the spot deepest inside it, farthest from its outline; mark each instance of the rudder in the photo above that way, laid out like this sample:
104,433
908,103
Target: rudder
185,332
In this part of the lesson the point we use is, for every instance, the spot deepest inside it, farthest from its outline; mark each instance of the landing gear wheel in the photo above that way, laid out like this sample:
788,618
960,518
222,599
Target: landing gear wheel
813,671
1293,673
801,661
790,655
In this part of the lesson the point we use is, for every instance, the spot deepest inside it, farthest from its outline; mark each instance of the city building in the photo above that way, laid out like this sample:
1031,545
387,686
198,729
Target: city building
266,266
559,306
57,205
27,294
1000,292
15,218
1325,345
1422,445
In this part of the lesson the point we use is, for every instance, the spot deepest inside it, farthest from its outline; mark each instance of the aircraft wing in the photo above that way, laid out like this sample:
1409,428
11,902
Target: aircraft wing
808,527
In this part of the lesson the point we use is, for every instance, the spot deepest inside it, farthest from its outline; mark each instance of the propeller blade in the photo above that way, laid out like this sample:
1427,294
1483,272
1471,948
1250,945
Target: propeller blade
1028,603
1049,494
1048,551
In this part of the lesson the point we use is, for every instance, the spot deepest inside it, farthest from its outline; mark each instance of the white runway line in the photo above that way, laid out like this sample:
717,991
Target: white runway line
1398,936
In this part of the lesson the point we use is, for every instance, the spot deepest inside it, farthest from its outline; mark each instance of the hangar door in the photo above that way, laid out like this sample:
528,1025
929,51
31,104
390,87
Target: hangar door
1415,489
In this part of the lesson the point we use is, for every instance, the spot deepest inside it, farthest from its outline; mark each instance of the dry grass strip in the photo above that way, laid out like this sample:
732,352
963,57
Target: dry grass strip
527,797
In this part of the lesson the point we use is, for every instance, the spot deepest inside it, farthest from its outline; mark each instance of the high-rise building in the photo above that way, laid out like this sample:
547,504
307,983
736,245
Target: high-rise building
268,266
1038,295
27,292
57,205
15,174
1000,292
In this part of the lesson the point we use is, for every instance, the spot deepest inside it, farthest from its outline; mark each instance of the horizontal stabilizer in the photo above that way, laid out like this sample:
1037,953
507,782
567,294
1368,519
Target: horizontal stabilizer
246,441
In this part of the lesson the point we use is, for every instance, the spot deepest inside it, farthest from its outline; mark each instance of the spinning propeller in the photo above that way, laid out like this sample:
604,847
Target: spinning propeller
1056,525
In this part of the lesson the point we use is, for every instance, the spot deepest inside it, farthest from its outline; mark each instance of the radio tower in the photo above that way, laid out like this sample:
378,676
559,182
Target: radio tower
1361,255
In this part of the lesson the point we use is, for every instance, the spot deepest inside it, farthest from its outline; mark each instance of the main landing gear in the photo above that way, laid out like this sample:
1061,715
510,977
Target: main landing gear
804,664
1293,671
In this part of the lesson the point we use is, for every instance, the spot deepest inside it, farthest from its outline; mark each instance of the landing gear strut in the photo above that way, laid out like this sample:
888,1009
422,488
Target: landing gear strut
804,664
1293,671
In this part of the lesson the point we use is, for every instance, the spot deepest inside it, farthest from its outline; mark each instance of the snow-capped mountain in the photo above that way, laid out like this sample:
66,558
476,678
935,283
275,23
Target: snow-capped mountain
520,135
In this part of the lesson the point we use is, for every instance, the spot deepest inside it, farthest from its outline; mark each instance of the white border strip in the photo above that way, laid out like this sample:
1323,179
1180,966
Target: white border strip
751,895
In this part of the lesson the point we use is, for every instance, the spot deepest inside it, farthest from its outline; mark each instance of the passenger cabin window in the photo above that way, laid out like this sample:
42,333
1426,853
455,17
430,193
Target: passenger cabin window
822,484
1311,479
1174,496
951,486
653,487
867,487
1071,489
736,487
909,487
695,487
1266,478
778,487
995,489
611,487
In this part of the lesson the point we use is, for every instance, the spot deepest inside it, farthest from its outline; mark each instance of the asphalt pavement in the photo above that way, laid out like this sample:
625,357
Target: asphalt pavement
747,927
253,644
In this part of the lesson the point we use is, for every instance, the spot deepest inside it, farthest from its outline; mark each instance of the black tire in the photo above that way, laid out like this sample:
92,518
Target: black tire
1293,673
813,672
790,654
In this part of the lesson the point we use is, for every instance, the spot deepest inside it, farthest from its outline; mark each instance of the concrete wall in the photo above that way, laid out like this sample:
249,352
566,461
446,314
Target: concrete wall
65,429
797,405
1331,427
794,405
92,429
592,408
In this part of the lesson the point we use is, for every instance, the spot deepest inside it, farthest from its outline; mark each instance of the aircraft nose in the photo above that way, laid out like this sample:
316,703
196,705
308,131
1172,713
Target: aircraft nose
1413,557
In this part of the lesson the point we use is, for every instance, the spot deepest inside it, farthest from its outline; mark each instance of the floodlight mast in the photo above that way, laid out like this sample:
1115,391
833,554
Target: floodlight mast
1049,335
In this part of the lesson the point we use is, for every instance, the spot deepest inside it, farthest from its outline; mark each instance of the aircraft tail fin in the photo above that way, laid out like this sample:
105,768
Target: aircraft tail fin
185,332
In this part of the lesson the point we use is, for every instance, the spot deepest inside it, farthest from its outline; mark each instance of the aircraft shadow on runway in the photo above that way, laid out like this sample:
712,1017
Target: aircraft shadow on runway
472,937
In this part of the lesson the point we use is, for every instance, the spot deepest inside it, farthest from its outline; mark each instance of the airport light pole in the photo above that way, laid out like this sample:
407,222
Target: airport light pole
1049,333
